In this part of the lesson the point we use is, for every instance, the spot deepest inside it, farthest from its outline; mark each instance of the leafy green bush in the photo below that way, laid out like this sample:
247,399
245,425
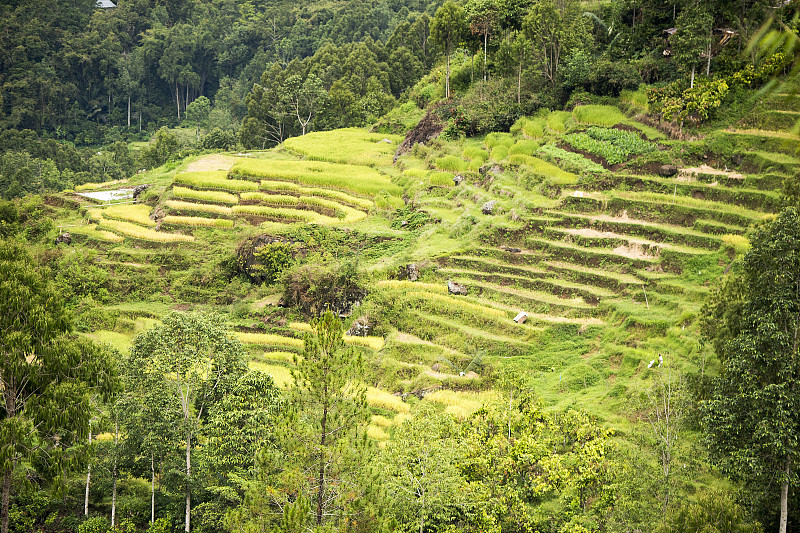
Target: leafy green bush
95,524
612,145
571,161
219,139
410,219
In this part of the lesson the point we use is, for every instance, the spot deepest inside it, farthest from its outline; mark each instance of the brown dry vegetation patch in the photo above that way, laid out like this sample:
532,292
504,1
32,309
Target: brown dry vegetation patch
211,163
690,173
636,251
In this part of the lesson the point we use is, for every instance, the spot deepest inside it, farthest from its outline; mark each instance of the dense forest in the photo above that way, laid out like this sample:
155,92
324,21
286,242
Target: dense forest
395,265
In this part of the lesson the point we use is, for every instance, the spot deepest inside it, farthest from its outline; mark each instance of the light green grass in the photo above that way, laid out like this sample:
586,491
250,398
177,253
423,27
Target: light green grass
461,404
636,99
91,231
532,128
280,374
205,196
274,199
451,163
269,339
216,180
352,145
458,304
740,243
119,341
92,186
542,168
524,146
558,121
135,231
198,221
280,356
217,209
386,400
342,197
375,343
351,178
137,213
284,214
412,285
601,115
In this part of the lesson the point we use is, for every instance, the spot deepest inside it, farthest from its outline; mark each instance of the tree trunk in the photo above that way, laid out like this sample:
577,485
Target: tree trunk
447,80
178,100
114,496
785,498
321,480
5,499
691,85
188,480
152,489
88,480
485,42
129,110
519,82
114,473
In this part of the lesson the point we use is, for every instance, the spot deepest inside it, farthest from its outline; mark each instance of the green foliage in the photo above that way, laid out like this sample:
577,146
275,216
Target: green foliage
322,428
530,127
410,219
197,113
353,178
272,259
452,163
37,424
95,524
601,115
750,421
160,149
317,288
570,161
219,139
713,511
615,146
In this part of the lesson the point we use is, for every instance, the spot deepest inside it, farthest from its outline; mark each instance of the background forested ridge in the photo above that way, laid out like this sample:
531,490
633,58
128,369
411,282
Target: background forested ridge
484,266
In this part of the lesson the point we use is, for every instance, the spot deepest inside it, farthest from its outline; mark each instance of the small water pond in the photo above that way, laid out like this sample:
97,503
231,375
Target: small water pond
108,196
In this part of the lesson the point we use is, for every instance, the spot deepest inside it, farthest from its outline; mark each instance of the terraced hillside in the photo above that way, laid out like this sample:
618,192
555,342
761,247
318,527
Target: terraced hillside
572,219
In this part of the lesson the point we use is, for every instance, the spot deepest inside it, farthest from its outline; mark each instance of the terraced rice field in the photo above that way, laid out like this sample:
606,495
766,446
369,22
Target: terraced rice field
610,267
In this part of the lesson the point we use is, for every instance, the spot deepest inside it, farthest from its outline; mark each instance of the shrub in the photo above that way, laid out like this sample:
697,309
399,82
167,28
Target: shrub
314,288
570,160
218,139
95,524
408,218
161,148
612,145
